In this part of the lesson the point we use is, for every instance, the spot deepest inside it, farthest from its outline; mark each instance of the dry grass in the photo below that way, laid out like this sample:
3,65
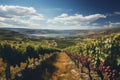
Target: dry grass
64,68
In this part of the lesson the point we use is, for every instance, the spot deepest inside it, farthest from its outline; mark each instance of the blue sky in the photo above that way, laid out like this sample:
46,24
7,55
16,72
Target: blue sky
60,14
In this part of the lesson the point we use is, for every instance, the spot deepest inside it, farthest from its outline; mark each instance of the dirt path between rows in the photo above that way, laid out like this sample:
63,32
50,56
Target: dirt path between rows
65,68
57,67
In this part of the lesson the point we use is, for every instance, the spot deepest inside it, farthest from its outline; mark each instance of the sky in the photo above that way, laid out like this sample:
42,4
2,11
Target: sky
60,14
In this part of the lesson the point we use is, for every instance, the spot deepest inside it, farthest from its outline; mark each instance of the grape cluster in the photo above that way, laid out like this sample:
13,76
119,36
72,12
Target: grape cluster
110,73
84,60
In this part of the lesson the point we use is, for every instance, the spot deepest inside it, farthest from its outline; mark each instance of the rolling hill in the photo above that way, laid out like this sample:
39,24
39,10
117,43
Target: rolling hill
10,35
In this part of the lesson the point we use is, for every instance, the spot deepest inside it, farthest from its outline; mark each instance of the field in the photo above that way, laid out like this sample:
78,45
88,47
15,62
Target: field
91,55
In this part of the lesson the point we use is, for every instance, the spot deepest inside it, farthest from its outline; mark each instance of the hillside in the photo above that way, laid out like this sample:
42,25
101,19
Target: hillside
48,33
10,35
100,33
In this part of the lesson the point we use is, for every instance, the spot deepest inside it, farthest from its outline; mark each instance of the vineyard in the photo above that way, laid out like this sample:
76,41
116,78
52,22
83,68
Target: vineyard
101,55
87,58
15,58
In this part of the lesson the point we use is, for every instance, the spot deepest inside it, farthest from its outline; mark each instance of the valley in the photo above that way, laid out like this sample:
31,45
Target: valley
91,55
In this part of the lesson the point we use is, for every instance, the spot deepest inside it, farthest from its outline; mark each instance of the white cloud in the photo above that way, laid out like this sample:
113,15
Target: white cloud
37,17
19,16
76,19
16,11
17,23
1,18
28,17
114,24
64,15
117,13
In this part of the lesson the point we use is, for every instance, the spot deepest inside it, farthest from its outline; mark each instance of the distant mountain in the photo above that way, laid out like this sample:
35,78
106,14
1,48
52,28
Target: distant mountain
57,33
102,32
46,31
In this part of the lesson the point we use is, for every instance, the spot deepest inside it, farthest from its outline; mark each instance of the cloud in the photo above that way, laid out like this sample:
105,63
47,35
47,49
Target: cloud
37,17
28,17
19,16
76,19
19,11
117,13
16,11
114,24
15,22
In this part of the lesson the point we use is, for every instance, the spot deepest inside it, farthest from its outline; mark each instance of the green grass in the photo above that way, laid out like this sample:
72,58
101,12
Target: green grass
64,43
